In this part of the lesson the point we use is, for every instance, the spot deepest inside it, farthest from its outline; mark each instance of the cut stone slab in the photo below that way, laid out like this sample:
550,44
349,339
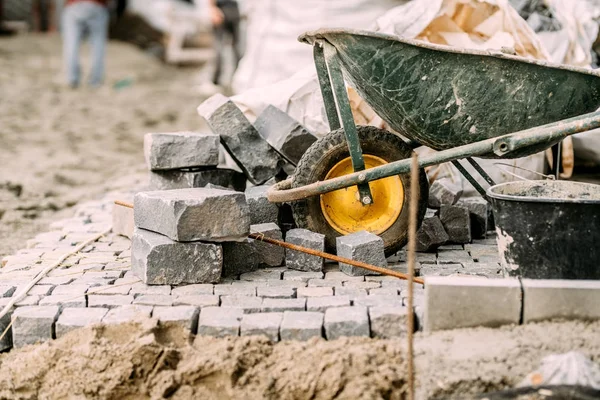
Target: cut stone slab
388,321
193,214
281,305
122,220
457,223
314,291
198,289
235,290
63,300
379,300
181,150
154,300
219,178
266,324
33,324
248,304
262,211
128,313
431,234
565,299
276,292
323,303
462,302
158,260
346,321
361,246
259,161
220,322
250,255
73,318
444,192
284,133
479,211
301,325
302,261
197,300
185,316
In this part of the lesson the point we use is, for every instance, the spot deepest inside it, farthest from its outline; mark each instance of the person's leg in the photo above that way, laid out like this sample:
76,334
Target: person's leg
98,30
219,45
233,26
72,31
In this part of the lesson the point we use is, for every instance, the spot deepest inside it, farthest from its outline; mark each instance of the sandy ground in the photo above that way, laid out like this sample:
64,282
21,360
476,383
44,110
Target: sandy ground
59,146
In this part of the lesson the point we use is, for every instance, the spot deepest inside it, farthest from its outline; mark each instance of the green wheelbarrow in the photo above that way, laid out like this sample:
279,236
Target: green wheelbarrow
462,103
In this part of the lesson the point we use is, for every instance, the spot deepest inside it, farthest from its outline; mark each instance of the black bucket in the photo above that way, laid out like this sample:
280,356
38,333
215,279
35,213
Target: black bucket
548,229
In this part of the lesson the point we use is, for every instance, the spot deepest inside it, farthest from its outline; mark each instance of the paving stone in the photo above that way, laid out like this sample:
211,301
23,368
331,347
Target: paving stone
143,289
323,303
302,276
276,292
197,289
97,300
127,313
73,318
426,258
489,270
57,280
363,285
361,246
378,300
444,191
266,324
314,291
301,325
31,301
33,324
158,260
461,302
476,250
217,178
122,220
441,270
92,281
153,300
302,261
324,283
418,298
262,211
63,301
238,135
6,341
284,283
387,291
71,290
431,234
111,289
453,257
280,305
185,316
346,321
250,255
560,299
220,322
197,300
457,223
7,291
181,150
224,214
479,211
388,321
249,304
340,276
350,292
36,290
452,246
231,290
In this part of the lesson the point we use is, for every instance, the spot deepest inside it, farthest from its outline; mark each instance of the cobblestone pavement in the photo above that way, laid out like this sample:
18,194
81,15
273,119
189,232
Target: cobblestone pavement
277,302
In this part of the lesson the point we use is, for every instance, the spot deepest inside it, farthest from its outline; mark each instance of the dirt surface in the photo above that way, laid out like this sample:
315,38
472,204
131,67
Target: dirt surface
59,146
149,361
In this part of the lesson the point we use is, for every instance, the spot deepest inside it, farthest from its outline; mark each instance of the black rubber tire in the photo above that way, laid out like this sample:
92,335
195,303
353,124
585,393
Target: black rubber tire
331,149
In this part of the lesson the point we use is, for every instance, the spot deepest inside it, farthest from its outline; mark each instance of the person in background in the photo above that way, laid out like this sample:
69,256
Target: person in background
225,17
81,17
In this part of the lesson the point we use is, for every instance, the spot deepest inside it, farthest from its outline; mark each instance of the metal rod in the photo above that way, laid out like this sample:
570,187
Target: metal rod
412,245
257,236
325,84
471,180
481,171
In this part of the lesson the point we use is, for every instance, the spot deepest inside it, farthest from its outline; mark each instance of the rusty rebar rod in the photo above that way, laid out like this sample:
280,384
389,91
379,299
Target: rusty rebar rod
412,245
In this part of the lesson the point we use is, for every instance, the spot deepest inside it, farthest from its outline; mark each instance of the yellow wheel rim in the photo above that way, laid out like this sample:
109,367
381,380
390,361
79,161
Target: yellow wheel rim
346,214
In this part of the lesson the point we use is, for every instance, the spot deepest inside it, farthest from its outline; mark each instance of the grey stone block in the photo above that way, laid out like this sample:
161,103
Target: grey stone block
185,316
265,274
323,303
63,301
353,293
453,257
250,151
479,211
441,270
340,276
346,321
324,283
122,220
388,321
73,318
158,260
363,285
302,261
143,289
361,246
198,289
193,214
6,341
431,234
181,150
444,192
70,290
197,300
386,291
219,322
153,300
284,133
32,301
302,276
564,299
249,255
127,313
235,290
314,291
462,302
262,211
266,324
248,304
33,324
280,305
378,300
301,325
218,178
109,301
457,223
276,292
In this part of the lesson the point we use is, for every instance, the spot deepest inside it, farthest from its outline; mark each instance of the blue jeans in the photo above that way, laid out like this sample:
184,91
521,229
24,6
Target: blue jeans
78,19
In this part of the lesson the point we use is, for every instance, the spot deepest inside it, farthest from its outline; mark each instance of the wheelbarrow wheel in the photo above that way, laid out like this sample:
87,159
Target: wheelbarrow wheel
340,212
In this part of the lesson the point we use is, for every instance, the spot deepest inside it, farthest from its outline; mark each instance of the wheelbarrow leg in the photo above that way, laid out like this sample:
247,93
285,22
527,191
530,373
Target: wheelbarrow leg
481,171
470,178
325,85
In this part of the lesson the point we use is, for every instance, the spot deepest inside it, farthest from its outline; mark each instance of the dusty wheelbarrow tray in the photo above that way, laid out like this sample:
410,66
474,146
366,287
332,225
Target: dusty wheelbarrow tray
548,229
464,103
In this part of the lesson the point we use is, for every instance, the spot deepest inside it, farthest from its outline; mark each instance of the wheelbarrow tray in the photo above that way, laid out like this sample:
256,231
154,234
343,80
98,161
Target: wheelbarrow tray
444,97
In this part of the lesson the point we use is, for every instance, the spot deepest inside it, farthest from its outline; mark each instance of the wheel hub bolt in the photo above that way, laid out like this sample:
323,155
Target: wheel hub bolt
366,200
